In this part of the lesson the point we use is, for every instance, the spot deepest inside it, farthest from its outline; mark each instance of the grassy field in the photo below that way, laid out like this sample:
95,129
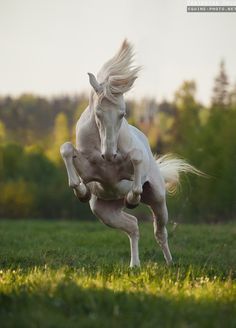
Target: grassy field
72,274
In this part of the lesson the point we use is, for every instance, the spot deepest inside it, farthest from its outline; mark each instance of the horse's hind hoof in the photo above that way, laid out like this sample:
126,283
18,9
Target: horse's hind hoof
130,206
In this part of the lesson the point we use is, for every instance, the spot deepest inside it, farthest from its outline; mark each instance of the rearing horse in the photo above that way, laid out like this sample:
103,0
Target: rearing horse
112,165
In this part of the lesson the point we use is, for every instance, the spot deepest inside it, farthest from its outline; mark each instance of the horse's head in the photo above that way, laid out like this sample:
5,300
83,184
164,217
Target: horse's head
108,117
114,79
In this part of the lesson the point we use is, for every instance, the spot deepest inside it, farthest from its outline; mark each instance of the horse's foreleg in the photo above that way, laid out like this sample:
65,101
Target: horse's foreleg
68,152
134,195
110,213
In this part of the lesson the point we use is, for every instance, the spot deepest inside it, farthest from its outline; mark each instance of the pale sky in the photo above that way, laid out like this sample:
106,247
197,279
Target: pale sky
48,46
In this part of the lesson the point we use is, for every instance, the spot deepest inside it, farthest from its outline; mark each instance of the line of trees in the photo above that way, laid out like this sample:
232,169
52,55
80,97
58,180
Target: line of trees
33,180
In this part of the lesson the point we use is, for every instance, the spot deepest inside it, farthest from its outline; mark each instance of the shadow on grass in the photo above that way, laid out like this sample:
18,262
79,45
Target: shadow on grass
69,305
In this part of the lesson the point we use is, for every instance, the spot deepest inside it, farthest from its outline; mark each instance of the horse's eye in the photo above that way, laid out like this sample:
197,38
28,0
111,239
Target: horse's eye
122,115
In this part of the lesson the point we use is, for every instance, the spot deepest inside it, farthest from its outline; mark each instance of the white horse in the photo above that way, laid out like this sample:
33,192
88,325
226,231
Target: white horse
112,165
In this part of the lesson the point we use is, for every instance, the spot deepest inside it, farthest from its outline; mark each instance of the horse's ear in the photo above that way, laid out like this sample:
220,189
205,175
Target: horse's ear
94,83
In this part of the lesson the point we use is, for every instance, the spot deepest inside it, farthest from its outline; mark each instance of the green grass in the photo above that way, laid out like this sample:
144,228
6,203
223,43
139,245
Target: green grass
72,274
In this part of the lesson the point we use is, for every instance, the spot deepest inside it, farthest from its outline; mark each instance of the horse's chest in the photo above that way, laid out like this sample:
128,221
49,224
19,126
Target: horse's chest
94,168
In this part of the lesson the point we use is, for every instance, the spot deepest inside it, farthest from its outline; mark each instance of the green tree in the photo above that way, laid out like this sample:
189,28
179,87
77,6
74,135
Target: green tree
232,96
59,136
187,121
2,132
220,97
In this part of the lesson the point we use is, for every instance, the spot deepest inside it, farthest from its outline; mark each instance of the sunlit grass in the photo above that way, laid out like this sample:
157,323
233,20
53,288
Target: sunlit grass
150,280
68,274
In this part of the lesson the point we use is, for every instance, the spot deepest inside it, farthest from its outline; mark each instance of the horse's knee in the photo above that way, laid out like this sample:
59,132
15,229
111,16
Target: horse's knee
67,150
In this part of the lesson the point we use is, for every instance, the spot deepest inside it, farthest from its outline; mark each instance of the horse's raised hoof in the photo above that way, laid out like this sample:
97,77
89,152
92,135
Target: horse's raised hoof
130,206
86,198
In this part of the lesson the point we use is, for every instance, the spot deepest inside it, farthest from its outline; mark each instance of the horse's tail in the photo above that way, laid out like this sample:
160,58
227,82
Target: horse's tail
171,167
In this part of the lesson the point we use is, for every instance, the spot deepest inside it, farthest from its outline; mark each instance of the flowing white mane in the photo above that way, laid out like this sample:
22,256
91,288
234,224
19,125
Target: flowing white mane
118,74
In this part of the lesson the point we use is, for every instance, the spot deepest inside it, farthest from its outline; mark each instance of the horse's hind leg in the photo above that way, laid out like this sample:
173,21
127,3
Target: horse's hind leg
154,195
110,213
160,231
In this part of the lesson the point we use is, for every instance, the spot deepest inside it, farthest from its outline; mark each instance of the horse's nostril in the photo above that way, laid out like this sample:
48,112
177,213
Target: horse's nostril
115,155
103,156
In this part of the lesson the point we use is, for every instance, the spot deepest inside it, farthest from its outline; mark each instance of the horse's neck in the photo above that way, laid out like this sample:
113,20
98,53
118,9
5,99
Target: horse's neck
87,130
91,121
